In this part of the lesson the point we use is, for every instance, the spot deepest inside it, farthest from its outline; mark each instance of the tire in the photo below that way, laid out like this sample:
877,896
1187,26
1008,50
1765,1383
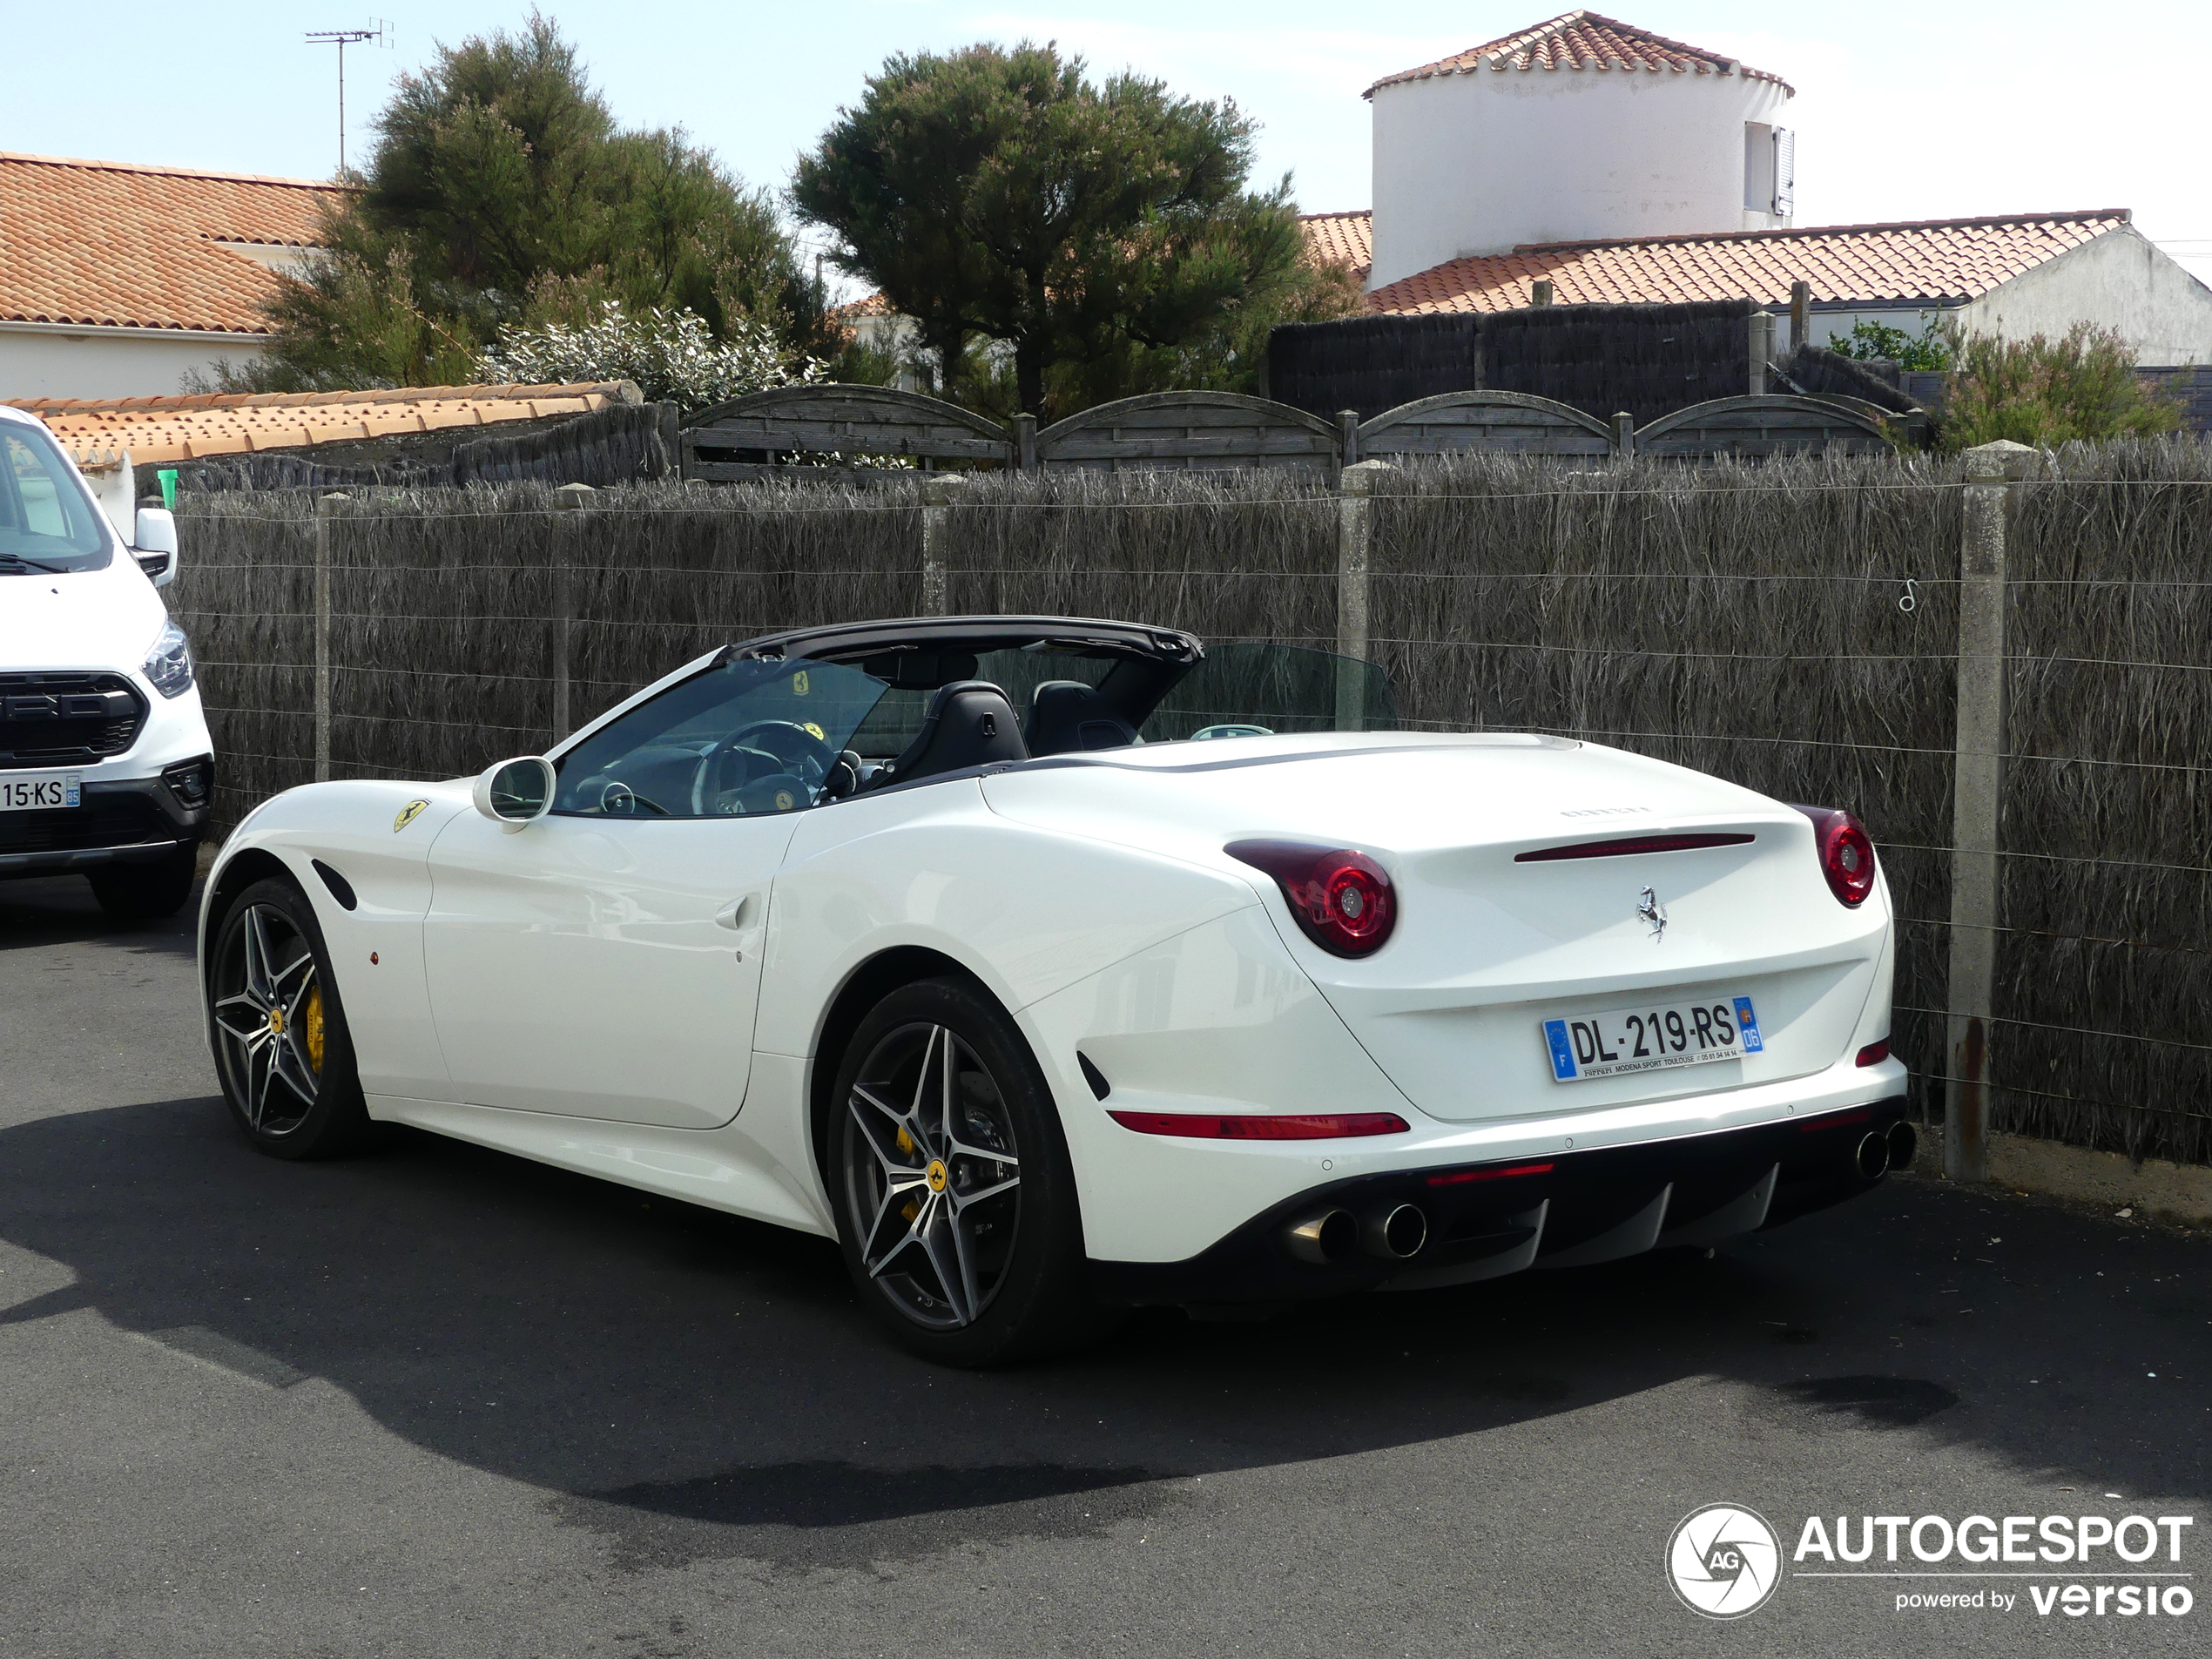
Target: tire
281,1047
968,1259
147,892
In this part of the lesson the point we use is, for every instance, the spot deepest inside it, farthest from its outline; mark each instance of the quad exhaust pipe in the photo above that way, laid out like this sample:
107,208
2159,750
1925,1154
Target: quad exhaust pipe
1904,1143
1324,1239
1873,1155
1330,1237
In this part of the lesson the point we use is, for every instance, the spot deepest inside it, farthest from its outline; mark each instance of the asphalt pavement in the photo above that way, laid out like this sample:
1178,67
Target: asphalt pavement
439,1400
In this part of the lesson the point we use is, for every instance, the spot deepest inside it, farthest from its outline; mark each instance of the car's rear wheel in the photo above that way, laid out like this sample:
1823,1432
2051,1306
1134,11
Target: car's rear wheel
281,1046
957,1203
147,892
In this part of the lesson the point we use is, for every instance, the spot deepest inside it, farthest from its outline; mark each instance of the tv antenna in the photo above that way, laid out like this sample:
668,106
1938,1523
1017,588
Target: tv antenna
380,33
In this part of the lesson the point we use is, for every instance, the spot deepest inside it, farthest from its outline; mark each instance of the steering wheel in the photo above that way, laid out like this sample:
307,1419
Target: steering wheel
803,752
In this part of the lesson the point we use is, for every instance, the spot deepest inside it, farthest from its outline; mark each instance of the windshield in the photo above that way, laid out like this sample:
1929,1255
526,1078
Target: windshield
1249,689
47,522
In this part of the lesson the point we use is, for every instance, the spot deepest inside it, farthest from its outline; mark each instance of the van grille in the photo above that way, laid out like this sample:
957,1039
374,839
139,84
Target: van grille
63,717
112,820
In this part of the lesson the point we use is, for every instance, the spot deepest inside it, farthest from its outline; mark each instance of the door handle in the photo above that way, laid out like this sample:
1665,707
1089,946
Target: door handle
739,913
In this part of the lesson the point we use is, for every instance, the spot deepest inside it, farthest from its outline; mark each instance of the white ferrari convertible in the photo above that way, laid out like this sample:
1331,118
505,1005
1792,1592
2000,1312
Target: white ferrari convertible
1050,965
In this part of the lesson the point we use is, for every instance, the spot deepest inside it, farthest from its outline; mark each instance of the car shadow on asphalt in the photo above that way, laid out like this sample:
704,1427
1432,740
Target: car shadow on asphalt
60,910
693,1386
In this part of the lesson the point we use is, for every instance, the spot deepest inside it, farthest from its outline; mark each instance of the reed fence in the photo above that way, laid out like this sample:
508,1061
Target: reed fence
1793,625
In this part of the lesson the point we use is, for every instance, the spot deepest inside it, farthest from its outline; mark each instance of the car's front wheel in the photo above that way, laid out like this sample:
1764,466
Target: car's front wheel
957,1203
280,1041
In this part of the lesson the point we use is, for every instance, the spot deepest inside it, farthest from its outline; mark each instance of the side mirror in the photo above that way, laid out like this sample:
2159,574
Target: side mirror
515,792
153,543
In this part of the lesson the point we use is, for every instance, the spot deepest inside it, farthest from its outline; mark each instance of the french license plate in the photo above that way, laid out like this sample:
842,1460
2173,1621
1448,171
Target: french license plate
1651,1038
33,792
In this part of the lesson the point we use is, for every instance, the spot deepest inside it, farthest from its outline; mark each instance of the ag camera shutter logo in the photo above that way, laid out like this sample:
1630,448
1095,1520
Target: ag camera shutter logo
1723,1561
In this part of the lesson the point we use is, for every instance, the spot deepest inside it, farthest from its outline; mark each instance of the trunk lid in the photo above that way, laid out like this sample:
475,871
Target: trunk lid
1487,948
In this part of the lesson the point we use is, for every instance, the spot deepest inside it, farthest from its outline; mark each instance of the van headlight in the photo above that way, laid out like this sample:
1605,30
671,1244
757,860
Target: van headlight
168,665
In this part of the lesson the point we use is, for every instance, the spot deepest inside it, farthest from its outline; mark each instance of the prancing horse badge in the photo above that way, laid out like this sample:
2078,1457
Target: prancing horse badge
408,813
1652,911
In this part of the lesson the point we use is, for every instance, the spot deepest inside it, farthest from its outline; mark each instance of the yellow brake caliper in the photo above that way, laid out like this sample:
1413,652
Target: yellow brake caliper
913,1206
310,1023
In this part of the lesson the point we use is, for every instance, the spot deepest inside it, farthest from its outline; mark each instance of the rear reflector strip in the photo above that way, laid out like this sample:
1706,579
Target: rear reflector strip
1205,1126
1633,844
1836,1121
1874,1053
1459,1177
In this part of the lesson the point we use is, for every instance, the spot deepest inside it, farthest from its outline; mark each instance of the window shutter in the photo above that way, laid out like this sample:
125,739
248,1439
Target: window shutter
1785,171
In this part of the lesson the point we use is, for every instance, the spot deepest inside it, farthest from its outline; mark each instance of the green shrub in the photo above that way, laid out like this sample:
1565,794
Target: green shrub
2044,392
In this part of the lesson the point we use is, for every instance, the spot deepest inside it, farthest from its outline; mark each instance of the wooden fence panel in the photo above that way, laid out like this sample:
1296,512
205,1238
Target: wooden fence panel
1507,422
1767,424
1188,430
837,420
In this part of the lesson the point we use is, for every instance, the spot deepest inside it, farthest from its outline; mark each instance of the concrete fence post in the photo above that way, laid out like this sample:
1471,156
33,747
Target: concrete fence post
938,493
1624,435
566,545
1539,292
1348,437
1978,799
1025,442
326,509
1800,314
1760,326
1355,531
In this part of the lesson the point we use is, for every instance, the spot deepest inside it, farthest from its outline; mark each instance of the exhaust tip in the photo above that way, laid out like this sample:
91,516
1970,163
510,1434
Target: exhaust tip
1395,1233
1904,1144
1873,1157
1324,1239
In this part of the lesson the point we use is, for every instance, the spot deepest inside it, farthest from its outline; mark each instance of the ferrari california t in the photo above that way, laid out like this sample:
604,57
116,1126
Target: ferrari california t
1052,965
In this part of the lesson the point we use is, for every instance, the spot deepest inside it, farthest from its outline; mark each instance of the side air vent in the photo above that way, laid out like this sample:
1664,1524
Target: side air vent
341,889
1094,1077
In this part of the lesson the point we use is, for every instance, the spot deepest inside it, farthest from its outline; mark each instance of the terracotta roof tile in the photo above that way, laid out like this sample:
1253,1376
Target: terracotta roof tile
110,244
194,426
1950,261
1341,238
1583,40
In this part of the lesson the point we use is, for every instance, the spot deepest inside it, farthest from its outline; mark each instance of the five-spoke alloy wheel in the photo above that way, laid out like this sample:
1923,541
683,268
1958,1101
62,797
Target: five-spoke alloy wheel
281,1039
957,1204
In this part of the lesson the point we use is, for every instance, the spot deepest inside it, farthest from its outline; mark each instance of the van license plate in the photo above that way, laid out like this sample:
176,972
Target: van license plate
1651,1038
35,792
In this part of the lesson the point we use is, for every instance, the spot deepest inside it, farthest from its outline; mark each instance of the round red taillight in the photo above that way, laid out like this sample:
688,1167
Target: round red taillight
1342,900
1846,853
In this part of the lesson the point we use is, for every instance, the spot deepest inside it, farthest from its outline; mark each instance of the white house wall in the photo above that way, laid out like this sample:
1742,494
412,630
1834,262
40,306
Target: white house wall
1480,163
2120,279
47,362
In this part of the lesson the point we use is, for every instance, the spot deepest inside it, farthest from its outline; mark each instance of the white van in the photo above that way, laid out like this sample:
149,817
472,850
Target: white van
105,765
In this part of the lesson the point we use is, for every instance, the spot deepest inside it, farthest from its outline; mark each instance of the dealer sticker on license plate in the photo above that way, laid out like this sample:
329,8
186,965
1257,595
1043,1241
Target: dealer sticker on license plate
36,791
1651,1038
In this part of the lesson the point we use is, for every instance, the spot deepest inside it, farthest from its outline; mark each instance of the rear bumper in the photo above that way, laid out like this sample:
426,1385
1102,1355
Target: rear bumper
1555,1210
129,821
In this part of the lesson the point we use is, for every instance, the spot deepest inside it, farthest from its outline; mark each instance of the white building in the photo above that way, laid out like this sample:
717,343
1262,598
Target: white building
116,280
1579,129
1622,167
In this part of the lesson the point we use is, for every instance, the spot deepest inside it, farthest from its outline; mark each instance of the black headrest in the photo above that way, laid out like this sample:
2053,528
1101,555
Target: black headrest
1067,715
969,723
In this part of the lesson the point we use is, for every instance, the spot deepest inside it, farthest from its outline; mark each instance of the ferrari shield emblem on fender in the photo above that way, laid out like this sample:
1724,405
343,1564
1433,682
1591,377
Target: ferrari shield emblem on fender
408,813
1652,912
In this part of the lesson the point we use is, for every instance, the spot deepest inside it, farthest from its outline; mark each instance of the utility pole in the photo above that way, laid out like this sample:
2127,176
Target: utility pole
380,34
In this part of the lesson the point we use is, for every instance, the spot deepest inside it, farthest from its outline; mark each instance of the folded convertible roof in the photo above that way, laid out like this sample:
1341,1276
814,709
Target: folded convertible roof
851,641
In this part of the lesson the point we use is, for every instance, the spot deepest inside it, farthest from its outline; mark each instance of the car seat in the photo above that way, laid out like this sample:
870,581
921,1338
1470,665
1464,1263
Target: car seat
968,723
1067,715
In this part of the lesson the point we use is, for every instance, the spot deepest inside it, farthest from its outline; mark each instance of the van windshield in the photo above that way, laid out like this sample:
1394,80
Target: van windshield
48,523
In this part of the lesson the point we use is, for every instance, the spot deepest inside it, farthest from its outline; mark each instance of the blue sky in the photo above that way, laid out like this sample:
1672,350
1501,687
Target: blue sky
1904,110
